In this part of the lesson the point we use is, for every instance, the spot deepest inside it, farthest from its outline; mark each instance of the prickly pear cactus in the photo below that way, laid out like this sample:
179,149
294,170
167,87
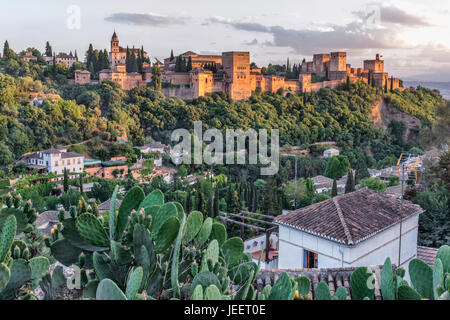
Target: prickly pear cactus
387,281
362,284
421,276
7,237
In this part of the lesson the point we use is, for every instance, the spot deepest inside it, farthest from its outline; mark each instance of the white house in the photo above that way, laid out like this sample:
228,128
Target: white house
361,228
330,153
55,161
256,244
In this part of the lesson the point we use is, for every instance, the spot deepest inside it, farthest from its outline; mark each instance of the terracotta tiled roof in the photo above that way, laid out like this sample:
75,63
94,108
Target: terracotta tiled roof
47,219
321,180
334,277
350,218
272,254
106,205
427,254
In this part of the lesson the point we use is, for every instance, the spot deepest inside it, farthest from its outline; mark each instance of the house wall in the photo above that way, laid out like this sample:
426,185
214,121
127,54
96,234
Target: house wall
372,251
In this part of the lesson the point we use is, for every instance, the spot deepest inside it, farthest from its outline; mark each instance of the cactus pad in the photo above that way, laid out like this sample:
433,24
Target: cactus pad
134,283
212,293
421,276
7,237
194,223
361,284
108,290
91,229
131,202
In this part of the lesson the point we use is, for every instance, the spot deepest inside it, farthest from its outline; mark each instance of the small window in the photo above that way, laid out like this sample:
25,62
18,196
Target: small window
310,259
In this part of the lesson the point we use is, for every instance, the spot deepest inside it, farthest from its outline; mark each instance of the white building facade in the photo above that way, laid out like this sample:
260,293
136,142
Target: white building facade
55,161
309,246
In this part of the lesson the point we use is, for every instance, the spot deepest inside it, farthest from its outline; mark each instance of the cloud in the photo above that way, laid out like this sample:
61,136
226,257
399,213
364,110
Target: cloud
254,42
144,19
388,15
437,53
398,16
244,26
353,36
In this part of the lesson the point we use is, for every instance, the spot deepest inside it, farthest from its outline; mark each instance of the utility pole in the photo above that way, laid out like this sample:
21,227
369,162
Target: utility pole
401,217
295,188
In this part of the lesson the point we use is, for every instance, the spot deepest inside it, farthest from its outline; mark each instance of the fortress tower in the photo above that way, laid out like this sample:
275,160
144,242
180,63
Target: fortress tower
374,66
338,61
237,68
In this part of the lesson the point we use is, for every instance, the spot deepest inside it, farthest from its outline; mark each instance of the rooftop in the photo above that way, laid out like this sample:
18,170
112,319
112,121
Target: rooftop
350,218
106,205
334,277
427,254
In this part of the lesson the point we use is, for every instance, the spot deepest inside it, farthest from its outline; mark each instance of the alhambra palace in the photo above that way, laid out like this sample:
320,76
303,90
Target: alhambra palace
232,74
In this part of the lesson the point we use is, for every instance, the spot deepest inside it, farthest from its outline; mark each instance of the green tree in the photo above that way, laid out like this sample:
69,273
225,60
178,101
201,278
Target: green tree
334,190
350,184
81,183
434,223
374,184
48,49
6,50
201,201
156,77
361,171
337,166
216,202
133,63
103,190
189,64
235,203
66,180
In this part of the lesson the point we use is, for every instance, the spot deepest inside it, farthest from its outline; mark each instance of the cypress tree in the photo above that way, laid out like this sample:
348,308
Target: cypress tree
105,60
95,209
334,190
81,183
189,65
6,50
201,202
188,207
133,63
66,181
171,55
216,202
235,203
178,64
127,60
48,50
54,66
156,78
89,54
350,184
183,65
361,171
91,69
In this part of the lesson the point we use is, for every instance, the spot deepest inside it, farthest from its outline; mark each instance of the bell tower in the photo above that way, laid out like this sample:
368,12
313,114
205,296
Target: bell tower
114,43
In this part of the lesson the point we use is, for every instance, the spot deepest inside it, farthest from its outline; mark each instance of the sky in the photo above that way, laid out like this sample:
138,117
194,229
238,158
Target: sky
412,36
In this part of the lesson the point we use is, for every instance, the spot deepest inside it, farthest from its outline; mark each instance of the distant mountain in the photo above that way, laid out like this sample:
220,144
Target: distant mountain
443,87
